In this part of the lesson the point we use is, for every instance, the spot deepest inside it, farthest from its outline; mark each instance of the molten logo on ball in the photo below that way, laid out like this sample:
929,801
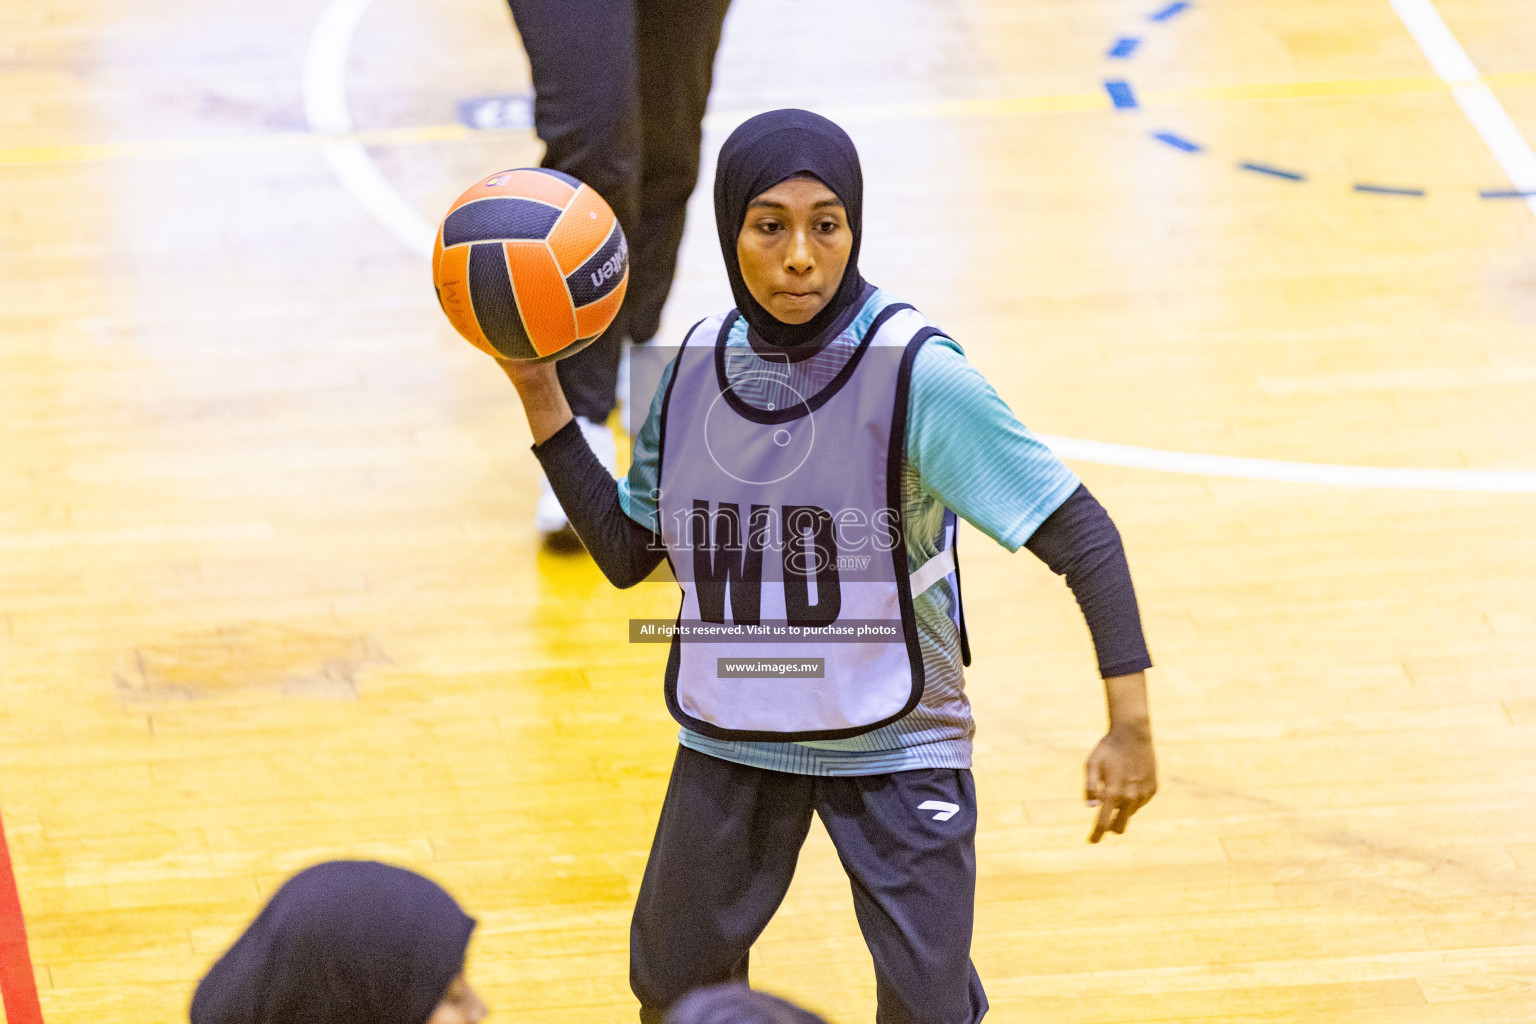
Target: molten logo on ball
530,264
616,264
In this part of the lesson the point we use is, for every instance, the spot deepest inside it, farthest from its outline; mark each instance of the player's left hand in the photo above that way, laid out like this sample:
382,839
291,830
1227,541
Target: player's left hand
1121,777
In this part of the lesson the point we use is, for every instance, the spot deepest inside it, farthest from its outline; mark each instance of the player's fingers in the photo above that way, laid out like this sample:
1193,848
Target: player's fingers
1131,807
1102,820
1121,805
1093,780
1136,793
1110,800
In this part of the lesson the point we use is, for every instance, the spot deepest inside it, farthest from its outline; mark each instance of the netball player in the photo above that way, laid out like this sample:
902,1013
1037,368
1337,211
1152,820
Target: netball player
346,942
801,468
619,93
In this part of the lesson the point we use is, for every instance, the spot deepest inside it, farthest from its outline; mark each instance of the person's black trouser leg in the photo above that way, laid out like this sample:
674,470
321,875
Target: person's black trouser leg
675,60
724,854
913,872
586,109
619,93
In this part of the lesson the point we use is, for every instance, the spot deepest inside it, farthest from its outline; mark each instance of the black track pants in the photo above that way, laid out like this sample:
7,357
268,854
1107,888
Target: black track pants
725,851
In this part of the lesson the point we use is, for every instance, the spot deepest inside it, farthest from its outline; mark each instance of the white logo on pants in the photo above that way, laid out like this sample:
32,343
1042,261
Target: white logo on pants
946,811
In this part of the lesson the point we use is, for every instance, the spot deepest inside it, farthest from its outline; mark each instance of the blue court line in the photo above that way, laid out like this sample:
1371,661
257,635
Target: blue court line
1178,142
1121,95
1274,171
1124,98
1385,190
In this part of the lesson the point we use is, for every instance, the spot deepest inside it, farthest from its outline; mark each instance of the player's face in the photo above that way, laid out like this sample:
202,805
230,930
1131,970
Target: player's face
793,248
460,1005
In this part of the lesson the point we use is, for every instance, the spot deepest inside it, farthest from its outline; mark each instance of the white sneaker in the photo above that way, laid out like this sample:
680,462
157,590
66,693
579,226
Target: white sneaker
600,439
548,517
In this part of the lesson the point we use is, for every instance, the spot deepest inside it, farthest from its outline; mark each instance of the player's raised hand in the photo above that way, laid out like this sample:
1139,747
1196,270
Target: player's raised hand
1121,773
544,402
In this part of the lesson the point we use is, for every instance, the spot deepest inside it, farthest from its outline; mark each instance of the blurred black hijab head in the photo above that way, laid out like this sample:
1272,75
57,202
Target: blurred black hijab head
343,942
762,152
737,1004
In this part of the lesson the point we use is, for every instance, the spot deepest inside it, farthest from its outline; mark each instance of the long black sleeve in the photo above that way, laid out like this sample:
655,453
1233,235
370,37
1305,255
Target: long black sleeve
621,547
1079,541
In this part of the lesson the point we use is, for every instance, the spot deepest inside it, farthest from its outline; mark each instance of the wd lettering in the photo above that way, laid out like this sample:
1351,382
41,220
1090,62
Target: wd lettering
728,562
810,556
720,557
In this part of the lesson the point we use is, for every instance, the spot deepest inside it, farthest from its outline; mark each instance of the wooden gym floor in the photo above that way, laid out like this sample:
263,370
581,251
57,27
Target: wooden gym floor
271,593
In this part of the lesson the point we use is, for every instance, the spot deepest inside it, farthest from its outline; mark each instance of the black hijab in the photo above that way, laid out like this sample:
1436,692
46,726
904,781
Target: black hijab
762,152
737,1004
343,942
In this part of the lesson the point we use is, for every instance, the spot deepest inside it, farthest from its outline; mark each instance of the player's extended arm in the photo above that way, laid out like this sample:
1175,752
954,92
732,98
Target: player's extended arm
951,400
624,550
1079,541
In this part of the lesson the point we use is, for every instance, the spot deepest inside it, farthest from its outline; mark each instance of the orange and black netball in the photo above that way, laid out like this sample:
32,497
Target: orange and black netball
530,264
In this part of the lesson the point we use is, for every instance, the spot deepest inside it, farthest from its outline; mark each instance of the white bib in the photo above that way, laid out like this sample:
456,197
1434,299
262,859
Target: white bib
783,527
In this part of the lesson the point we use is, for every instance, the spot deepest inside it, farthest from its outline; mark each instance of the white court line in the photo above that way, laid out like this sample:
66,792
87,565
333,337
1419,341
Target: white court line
1477,101
325,105
1162,460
